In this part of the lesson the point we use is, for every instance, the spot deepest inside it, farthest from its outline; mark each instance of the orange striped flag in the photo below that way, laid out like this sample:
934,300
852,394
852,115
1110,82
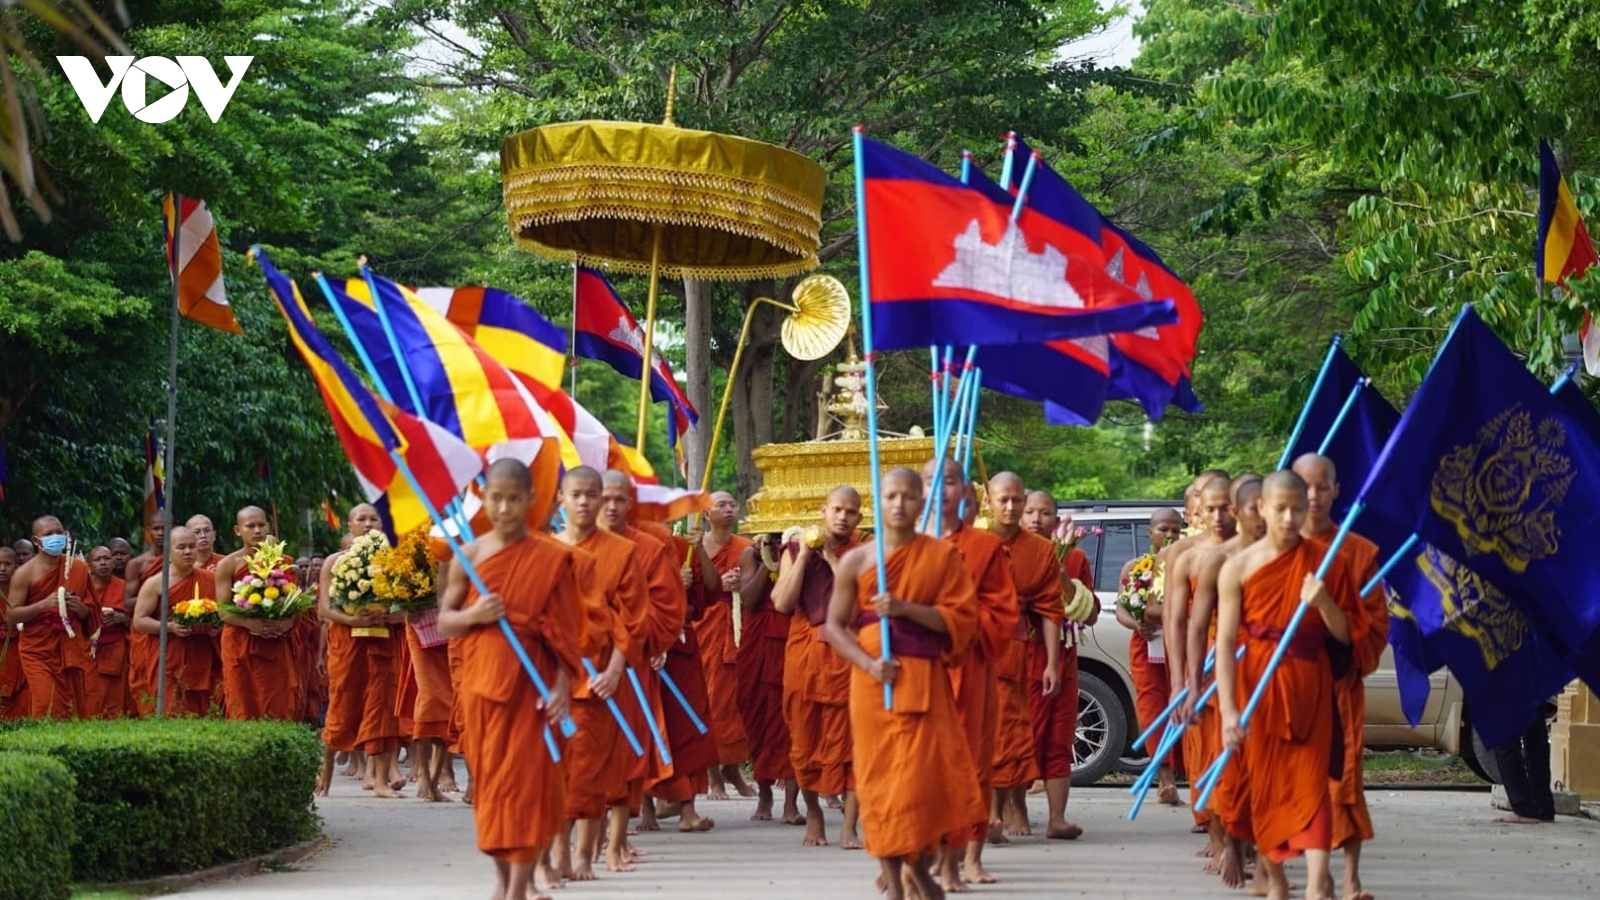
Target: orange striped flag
197,264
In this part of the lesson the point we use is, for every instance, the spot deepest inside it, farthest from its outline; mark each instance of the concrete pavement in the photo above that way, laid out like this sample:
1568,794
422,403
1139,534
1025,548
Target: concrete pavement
1430,844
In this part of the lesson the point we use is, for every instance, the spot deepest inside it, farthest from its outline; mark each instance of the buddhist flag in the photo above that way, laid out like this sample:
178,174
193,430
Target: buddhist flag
329,516
155,497
194,259
1565,249
374,433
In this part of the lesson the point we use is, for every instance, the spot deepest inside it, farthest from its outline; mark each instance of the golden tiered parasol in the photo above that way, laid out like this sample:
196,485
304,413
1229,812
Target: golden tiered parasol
662,200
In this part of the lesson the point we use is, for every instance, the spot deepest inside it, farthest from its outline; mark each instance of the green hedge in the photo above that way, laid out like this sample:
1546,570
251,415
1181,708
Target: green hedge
159,797
36,806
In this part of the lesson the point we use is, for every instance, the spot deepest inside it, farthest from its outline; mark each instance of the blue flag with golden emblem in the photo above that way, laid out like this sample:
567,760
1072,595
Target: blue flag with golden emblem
1502,478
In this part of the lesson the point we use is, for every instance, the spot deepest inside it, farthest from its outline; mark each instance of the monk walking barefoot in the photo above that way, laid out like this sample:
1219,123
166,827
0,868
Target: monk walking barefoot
916,778
760,681
520,789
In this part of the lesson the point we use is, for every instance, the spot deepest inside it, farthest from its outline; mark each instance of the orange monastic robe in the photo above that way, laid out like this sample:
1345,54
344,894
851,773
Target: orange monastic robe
15,703
1037,580
760,684
1351,820
1202,741
975,675
658,625
56,666
1288,748
692,752
719,656
518,791
816,687
192,670
914,774
260,672
105,683
599,755
361,690
430,668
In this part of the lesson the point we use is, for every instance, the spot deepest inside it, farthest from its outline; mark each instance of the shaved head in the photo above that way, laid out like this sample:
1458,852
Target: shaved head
617,478
1284,480
1314,467
249,512
510,470
1007,479
844,493
1166,516
901,473
580,474
1246,490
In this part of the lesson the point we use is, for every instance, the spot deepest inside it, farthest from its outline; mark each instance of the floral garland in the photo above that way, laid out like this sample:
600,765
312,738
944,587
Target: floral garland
350,588
406,576
267,589
1138,589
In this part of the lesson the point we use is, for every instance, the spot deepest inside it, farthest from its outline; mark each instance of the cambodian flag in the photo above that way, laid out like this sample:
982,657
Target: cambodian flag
947,265
608,332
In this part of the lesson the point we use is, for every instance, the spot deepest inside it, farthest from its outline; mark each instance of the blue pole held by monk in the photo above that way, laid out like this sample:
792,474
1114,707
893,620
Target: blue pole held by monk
682,700
872,402
1344,413
650,717
1213,774
1305,411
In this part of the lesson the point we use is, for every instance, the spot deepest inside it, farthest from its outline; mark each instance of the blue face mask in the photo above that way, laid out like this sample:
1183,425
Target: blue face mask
53,544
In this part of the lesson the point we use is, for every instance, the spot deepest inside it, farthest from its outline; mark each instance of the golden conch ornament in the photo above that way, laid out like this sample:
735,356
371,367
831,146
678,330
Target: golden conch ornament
1503,491
1474,608
820,318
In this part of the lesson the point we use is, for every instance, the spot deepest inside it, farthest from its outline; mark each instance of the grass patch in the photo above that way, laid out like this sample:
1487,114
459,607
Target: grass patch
103,895
1416,767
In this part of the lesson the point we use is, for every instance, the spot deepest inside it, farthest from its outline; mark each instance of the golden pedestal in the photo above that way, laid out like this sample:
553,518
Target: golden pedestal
1575,742
796,478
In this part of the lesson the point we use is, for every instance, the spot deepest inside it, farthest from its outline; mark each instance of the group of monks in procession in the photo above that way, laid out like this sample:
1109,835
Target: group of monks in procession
714,650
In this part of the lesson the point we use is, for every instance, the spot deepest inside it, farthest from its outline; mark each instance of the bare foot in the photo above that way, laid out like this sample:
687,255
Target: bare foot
744,789
1036,788
1168,796
447,784
834,802
353,768
975,873
717,792
1063,831
849,841
997,833
383,789
324,779
581,871
617,860
1200,829
545,878
1212,867
793,818
1516,820
466,796
1020,830
816,834
953,885
762,813
692,822
1230,867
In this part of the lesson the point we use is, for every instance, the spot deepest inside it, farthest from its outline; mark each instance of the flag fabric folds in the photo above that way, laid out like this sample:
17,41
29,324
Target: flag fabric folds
196,267
605,330
1564,247
948,266
370,430
155,488
1360,439
460,386
329,516
1502,477
506,327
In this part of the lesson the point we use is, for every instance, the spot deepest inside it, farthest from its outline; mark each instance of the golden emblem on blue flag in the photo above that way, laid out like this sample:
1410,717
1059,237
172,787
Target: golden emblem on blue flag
1503,491
1474,608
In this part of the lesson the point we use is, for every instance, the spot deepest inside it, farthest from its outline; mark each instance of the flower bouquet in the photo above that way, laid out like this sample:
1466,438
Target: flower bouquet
267,589
350,588
1068,536
199,615
406,577
1138,590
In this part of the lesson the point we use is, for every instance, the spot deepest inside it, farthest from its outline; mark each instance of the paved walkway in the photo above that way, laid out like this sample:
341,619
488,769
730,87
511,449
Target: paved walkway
1431,844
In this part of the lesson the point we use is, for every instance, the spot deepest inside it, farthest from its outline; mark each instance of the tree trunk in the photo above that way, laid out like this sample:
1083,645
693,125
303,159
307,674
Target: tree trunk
697,299
752,396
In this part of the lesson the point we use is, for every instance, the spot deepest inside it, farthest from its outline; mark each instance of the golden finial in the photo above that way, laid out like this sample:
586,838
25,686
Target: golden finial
672,91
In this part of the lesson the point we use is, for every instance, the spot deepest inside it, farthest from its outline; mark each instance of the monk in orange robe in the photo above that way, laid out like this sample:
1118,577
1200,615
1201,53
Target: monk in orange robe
106,683
361,681
1228,814
600,755
1037,578
14,700
1287,747
1152,690
258,663
915,775
205,536
434,698
693,753
760,681
46,598
1056,718
191,671
1202,738
519,790
974,678
816,679
719,646
139,567
1352,823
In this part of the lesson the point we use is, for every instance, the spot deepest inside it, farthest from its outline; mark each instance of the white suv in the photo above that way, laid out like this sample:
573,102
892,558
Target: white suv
1107,724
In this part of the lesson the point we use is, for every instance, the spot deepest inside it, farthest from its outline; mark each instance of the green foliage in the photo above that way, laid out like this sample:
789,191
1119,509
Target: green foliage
36,804
162,796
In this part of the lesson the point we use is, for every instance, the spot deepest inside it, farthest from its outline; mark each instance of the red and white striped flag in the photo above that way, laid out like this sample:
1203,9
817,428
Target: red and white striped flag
197,265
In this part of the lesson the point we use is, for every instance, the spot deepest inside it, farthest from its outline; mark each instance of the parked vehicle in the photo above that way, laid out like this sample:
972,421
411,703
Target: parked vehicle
1107,723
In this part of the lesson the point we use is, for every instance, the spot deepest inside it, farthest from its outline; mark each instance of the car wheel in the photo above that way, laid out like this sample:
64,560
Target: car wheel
1102,731
1478,757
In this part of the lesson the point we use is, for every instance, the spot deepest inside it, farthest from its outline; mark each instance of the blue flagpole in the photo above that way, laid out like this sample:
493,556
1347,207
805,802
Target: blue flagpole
1213,774
857,145
972,433
1344,411
934,512
1305,411
1170,737
611,702
1006,165
394,342
682,700
650,717
1022,190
